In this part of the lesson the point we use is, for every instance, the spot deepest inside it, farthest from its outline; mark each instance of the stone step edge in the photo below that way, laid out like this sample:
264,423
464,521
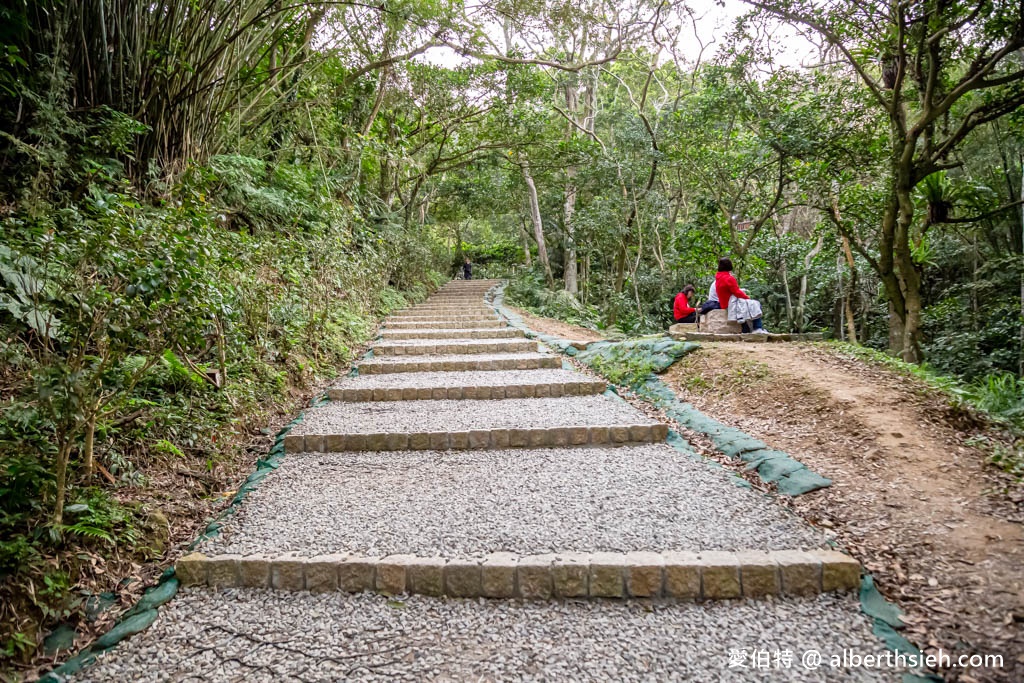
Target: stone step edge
464,311
479,307
479,439
460,311
466,307
427,333
704,575
480,392
402,364
428,316
396,348
445,325
430,313
437,319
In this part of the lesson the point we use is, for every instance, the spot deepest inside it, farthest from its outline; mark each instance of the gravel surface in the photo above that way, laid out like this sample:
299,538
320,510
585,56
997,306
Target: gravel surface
450,308
341,417
464,341
384,360
257,635
469,503
460,379
442,315
458,332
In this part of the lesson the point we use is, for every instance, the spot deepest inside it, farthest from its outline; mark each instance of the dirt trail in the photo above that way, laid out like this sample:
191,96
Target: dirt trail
917,456
917,504
557,327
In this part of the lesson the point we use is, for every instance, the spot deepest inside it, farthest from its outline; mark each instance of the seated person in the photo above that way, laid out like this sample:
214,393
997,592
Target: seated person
712,303
682,311
726,288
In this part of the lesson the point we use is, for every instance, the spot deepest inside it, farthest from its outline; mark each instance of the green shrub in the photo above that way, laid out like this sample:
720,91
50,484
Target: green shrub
114,313
624,369
528,292
1000,395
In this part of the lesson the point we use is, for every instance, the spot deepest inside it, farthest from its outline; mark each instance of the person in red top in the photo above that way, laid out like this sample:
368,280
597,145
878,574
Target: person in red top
727,287
682,311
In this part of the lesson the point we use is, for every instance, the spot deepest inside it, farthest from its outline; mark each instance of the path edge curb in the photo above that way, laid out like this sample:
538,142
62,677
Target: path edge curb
691,576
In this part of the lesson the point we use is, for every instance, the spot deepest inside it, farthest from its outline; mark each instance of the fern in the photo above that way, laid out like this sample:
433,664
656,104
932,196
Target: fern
89,531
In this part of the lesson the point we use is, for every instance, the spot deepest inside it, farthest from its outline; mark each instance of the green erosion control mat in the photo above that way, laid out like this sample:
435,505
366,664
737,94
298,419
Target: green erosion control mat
886,619
657,354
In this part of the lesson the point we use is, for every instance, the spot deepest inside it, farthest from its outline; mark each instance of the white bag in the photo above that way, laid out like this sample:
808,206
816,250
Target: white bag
742,310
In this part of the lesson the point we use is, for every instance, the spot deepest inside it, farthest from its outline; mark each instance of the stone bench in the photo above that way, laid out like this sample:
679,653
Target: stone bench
716,326
717,322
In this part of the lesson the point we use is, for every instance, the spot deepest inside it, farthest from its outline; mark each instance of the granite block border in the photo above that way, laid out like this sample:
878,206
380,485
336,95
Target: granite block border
584,387
692,576
479,439
440,364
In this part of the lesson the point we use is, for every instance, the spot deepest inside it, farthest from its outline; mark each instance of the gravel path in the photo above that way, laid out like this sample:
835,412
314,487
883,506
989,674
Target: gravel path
254,635
338,417
465,341
455,357
469,503
451,333
460,379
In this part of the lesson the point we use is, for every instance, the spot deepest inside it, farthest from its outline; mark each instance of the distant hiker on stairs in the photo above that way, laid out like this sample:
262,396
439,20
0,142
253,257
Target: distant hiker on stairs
467,270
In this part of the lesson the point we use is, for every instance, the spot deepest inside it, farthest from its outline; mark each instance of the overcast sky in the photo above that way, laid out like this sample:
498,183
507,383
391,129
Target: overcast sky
713,21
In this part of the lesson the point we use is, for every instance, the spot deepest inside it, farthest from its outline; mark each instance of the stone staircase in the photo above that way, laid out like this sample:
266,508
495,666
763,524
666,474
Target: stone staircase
439,380
463,461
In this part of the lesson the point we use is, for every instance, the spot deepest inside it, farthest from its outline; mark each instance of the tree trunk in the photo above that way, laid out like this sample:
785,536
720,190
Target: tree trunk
571,283
886,269
620,268
789,296
88,448
525,236
458,249
585,291
61,482
851,291
572,111
538,226
803,282
900,276
909,277
620,281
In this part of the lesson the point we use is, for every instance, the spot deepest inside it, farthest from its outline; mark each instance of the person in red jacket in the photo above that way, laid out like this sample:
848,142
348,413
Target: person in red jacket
727,287
682,311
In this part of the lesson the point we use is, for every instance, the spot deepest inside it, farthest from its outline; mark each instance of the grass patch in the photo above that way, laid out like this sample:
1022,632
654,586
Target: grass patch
624,369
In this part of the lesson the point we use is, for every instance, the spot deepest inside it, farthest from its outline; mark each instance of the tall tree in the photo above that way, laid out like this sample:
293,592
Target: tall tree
936,70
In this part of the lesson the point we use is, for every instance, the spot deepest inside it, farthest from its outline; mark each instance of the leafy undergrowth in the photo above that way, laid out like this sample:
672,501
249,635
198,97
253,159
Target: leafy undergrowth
148,353
625,370
528,293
